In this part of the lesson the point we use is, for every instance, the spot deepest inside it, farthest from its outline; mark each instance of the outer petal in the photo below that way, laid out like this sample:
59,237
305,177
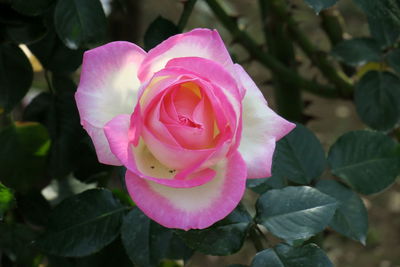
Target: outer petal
116,131
203,43
261,128
108,87
191,208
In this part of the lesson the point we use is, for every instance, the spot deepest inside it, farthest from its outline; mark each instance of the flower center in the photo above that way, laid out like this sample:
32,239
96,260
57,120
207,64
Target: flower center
184,120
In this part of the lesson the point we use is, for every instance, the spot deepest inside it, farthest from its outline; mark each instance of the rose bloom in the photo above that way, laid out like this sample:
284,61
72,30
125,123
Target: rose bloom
189,125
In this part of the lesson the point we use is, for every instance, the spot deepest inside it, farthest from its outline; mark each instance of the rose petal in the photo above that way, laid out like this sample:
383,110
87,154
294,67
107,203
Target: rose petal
203,43
116,131
261,128
211,71
141,161
108,87
191,208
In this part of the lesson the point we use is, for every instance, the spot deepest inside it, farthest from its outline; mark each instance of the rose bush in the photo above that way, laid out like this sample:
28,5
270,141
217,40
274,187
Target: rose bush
189,125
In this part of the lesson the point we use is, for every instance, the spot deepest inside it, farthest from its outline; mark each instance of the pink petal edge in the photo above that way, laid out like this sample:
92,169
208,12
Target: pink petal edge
203,43
262,127
108,87
191,208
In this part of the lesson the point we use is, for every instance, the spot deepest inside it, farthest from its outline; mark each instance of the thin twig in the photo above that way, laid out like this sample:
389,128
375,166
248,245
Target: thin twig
255,238
49,85
187,11
338,78
267,60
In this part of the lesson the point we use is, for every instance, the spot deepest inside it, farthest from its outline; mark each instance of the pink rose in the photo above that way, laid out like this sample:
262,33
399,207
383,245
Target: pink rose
189,125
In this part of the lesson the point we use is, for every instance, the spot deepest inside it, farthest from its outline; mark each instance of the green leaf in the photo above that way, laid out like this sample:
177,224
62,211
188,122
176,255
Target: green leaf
385,31
16,76
147,242
357,51
366,160
299,156
294,213
383,19
286,256
38,109
15,242
18,28
34,208
264,184
319,5
71,148
82,224
159,30
109,256
31,7
381,9
6,199
351,217
23,156
377,99
54,55
223,238
26,33
80,23
393,58
64,128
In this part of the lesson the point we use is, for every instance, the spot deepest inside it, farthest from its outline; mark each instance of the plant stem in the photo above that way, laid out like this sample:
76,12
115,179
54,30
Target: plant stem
48,81
283,50
332,24
267,60
318,58
255,238
5,120
188,6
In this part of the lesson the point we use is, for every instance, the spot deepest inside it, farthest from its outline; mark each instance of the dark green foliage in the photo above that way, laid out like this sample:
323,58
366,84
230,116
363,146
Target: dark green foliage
351,217
366,160
299,156
43,145
23,156
34,208
82,224
357,51
377,99
15,76
383,18
286,256
385,31
109,256
393,59
295,213
223,238
16,244
80,23
19,28
6,199
147,242
64,127
159,30
319,5
264,184
54,55
31,7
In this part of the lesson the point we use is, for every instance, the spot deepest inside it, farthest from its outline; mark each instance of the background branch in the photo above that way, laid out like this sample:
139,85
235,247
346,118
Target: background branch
188,6
267,60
